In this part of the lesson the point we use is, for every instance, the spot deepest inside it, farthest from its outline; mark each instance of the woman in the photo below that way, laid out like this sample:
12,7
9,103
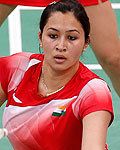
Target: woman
54,101
103,25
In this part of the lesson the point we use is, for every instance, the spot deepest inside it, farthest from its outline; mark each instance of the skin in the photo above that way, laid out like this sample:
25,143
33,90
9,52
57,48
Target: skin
5,10
106,48
3,96
95,130
60,39
59,73
105,41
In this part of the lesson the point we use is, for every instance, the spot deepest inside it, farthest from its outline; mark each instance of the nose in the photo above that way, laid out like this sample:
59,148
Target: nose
61,45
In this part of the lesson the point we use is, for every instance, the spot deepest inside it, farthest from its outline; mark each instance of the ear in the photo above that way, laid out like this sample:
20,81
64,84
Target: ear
40,38
86,43
85,46
40,35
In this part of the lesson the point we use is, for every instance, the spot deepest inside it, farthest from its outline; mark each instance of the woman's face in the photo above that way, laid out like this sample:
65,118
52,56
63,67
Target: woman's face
62,41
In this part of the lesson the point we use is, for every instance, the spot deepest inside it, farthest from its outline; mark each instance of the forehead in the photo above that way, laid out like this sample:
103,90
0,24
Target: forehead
63,21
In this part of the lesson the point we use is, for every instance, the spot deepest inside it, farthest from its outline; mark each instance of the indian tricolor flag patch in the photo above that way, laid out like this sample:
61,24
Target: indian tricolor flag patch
60,111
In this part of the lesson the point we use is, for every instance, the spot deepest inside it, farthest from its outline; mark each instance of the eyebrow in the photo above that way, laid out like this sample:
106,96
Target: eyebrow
74,30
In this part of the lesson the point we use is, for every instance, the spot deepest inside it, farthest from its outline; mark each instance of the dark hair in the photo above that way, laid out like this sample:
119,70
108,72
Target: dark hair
65,6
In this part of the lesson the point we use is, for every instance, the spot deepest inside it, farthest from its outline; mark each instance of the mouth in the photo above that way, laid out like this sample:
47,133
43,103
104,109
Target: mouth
59,58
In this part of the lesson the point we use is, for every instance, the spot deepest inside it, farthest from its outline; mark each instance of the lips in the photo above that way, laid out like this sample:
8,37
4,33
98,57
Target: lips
60,58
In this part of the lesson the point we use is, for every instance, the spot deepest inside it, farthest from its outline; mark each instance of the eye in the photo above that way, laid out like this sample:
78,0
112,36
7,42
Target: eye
72,38
53,36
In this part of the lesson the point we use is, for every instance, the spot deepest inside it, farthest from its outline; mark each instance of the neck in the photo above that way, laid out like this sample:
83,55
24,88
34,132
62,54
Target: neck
54,80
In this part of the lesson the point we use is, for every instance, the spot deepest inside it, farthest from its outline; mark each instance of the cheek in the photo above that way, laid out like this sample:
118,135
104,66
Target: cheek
47,46
77,51
76,55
